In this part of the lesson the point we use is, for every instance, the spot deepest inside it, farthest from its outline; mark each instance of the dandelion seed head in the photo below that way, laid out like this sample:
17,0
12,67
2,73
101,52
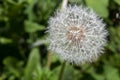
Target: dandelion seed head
77,34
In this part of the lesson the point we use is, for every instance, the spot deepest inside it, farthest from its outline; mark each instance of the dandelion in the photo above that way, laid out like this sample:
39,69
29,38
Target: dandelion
77,34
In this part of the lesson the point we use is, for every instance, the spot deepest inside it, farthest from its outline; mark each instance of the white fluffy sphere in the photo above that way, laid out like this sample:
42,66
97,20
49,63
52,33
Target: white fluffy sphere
77,34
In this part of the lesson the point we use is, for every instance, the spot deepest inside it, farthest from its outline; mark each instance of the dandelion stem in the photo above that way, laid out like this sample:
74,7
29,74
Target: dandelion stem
62,71
64,4
49,58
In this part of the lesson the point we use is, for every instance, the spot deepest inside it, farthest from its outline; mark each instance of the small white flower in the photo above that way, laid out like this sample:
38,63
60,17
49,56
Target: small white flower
77,34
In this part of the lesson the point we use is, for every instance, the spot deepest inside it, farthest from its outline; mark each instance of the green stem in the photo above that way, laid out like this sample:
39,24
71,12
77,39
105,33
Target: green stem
49,59
62,71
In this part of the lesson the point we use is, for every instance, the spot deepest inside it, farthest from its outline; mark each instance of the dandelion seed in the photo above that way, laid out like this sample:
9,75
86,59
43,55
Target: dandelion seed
77,35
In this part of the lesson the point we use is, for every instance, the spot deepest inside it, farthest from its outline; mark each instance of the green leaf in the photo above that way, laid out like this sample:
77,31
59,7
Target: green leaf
33,61
47,73
68,73
43,74
31,1
117,1
11,1
4,40
100,7
3,77
32,27
94,74
111,73
55,73
29,9
38,72
13,66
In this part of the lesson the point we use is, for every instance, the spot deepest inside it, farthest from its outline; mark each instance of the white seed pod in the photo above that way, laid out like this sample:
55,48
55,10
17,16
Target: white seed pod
77,34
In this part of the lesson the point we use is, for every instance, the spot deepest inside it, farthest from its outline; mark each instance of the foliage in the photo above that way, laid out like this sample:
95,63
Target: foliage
23,24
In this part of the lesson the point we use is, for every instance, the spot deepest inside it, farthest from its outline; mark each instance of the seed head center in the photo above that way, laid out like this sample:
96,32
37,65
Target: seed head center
75,34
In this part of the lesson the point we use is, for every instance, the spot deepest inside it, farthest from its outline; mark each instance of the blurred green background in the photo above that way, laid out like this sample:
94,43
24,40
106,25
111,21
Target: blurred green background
24,51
